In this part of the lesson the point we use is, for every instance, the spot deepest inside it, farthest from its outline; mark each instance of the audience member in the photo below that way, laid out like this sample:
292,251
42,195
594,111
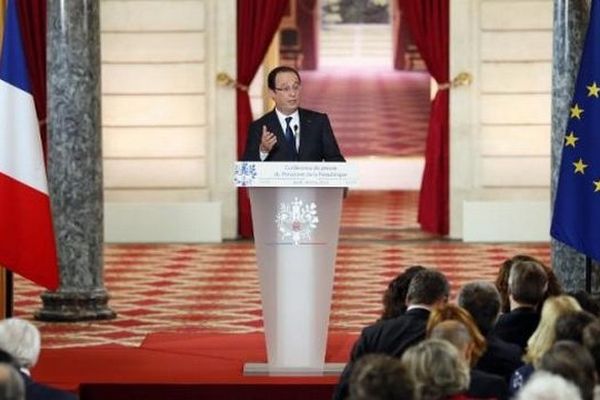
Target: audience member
527,284
394,298
11,383
586,302
543,338
573,362
570,326
554,287
482,384
451,312
482,300
546,386
380,377
428,290
437,370
21,339
591,341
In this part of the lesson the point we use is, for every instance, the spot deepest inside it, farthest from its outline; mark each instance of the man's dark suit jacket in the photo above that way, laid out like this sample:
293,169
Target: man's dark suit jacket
517,326
487,386
317,142
500,357
391,337
38,391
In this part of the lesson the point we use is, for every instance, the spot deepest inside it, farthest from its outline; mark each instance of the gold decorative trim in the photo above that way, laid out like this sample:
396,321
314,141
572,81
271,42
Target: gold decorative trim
224,79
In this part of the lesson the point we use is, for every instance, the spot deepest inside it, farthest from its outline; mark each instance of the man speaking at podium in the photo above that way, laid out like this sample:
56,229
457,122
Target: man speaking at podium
290,133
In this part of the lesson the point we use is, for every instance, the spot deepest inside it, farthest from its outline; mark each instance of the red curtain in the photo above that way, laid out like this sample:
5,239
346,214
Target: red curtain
32,15
308,25
428,23
257,23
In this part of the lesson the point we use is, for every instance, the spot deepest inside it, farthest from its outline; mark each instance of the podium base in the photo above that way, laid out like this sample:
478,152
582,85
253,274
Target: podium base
255,369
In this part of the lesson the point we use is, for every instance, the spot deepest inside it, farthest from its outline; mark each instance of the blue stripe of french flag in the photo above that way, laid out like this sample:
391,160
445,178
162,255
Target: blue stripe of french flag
27,245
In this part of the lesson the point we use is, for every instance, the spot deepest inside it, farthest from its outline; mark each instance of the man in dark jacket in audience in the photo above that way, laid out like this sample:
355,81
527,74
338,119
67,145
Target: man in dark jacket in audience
427,290
527,284
482,300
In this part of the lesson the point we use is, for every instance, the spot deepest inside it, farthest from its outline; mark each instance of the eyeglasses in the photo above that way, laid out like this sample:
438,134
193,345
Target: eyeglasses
289,89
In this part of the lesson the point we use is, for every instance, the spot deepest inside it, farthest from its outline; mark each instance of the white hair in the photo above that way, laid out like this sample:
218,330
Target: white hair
21,339
546,386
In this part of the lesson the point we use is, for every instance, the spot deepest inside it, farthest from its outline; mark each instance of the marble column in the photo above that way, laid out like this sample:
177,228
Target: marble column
75,161
570,26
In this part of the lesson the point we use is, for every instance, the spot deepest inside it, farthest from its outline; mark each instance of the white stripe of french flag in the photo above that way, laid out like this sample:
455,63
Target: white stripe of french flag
27,245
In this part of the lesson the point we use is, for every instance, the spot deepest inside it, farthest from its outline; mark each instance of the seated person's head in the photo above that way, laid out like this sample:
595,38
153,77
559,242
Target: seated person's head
570,326
12,386
451,312
428,288
527,284
380,377
546,386
573,362
457,334
544,335
21,339
586,302
437,369
482,300
394,298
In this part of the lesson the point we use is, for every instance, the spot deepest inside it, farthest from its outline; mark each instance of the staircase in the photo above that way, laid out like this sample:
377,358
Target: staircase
356,45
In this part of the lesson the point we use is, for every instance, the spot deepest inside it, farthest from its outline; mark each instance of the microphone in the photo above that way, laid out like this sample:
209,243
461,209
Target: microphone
295,130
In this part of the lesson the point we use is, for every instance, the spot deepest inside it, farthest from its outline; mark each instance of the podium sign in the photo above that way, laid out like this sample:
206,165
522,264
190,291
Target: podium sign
296,210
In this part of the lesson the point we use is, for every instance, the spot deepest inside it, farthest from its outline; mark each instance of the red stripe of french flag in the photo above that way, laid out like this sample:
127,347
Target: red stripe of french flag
27,244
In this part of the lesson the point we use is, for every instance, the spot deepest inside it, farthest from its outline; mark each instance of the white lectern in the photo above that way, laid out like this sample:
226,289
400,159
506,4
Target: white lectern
296,210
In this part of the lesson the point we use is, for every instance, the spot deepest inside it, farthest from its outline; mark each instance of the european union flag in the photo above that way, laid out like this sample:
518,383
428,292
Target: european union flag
576,219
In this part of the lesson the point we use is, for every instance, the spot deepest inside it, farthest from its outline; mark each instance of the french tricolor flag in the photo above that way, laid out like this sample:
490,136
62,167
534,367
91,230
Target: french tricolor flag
27,245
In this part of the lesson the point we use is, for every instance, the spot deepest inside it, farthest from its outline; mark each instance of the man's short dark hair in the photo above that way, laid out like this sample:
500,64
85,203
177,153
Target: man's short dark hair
380,377
427,287
273,75
570,326
482,300
573,362
527,282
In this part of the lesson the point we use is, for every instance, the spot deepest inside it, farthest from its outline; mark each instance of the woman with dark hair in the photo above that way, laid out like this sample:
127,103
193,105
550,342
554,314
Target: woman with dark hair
394,298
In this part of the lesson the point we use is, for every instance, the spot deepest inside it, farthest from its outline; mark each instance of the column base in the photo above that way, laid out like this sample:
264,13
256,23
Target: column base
63,306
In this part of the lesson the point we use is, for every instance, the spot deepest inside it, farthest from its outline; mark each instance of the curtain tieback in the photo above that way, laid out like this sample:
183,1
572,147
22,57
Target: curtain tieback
224,79
462,79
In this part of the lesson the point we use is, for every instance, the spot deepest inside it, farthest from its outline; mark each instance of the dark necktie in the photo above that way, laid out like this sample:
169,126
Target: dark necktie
289,136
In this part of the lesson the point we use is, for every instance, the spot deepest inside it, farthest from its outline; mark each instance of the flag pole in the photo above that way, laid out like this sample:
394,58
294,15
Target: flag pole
588,275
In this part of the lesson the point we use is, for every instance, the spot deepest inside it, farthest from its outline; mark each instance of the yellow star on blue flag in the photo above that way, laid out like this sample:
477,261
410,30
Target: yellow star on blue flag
576,217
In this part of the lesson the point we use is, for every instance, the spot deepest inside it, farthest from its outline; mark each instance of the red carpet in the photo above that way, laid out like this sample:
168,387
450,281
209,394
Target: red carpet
191,363
374,112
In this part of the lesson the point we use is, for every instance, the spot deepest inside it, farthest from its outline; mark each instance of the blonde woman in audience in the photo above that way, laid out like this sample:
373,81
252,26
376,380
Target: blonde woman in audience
437,370
542,338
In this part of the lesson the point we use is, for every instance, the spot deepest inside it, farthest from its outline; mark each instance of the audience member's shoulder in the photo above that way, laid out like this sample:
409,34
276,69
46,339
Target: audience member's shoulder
38,391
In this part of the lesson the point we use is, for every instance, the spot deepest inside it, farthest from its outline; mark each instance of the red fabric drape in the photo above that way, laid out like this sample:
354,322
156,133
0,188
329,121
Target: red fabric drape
308,25
428,22
32,15
257,22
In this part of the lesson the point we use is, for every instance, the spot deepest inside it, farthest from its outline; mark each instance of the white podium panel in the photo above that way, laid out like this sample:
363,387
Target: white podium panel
296,263
296,211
